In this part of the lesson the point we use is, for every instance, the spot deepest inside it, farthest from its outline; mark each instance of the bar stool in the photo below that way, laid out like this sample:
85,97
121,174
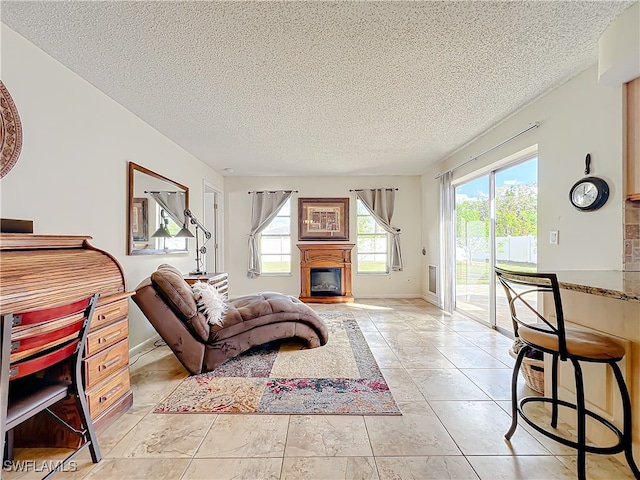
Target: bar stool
563,344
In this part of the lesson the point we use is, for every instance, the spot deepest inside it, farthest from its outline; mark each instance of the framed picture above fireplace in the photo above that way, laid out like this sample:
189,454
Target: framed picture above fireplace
323,219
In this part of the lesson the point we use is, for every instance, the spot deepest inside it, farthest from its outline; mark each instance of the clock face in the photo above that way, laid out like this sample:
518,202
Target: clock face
584,194
590,193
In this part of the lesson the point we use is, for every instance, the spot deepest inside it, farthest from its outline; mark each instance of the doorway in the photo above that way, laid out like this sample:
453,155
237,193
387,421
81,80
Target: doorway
212,210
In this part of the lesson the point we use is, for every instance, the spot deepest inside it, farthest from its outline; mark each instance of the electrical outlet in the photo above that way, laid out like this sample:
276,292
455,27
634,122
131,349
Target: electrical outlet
553,237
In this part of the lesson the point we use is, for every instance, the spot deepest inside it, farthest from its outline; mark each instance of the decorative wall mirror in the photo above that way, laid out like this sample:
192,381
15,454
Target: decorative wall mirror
156,213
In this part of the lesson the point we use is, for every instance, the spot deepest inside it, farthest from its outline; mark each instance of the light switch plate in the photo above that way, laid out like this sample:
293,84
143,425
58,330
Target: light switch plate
553,237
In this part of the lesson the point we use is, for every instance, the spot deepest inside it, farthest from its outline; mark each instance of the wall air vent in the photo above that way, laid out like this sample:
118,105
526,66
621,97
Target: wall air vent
433,279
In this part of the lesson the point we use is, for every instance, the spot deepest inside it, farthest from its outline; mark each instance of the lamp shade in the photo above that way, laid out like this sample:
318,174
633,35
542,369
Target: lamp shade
162,232
184,233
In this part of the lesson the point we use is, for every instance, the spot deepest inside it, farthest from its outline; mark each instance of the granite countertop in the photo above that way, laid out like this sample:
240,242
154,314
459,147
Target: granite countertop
607,283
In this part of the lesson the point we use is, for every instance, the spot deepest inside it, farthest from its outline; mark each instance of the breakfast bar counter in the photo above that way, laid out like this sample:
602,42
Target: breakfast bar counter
606,302
606,283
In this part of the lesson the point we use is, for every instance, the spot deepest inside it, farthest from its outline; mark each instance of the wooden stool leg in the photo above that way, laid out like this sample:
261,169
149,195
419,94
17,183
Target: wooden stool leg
514,392
581,412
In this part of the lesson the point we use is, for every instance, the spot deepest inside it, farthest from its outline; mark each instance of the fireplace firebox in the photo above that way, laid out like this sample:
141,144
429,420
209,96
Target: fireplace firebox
326,281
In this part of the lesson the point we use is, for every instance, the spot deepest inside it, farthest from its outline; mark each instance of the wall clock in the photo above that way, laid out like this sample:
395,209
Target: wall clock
589,193
10,132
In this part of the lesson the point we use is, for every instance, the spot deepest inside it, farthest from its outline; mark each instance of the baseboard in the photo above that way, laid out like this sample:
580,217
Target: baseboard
141,347
432,300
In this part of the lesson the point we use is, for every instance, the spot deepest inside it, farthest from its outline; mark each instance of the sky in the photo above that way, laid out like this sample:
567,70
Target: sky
526,172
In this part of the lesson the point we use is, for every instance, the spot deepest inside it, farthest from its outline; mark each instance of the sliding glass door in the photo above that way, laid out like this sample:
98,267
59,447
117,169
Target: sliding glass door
516,227
472,228
495,224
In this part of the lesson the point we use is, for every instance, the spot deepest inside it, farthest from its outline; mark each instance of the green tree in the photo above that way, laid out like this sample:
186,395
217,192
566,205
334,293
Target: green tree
472,210
516,215
472,225
517,210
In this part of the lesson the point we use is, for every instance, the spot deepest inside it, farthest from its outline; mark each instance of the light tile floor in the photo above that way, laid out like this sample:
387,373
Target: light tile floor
449,375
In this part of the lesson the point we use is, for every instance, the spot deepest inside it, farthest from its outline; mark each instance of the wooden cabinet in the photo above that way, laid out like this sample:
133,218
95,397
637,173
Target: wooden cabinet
46,270
103,364
107,393
632,139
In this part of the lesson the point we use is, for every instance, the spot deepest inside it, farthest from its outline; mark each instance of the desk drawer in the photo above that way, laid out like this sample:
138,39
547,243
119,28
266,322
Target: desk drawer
106,394
105,314
103,364
105,337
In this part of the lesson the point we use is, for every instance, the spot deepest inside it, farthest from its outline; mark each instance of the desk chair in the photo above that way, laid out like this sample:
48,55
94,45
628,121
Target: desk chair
32,342
562,344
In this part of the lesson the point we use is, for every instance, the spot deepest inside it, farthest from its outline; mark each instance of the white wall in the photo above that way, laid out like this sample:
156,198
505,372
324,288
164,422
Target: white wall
577,118
406,217
71,177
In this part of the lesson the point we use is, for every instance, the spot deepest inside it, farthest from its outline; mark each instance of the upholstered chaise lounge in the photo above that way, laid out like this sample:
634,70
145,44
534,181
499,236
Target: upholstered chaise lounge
168,303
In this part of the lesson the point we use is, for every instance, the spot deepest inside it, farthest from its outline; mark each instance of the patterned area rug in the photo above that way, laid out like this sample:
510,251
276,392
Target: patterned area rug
284,377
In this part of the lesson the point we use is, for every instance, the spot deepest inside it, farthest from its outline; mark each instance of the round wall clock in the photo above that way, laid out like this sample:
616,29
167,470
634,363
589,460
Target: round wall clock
10,132
589,193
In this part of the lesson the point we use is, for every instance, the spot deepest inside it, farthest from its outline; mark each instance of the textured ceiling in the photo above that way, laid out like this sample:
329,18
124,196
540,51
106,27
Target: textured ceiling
319,88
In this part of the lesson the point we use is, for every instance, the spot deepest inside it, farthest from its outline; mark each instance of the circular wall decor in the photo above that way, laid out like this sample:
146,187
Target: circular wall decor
589,193
10,132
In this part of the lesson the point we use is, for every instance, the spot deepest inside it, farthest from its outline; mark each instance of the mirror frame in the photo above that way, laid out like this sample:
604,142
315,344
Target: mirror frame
134,167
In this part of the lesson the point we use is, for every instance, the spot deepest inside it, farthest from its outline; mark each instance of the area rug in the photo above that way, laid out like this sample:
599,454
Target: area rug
284,377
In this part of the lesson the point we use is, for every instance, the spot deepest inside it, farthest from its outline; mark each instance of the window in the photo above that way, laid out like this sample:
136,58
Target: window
164,238
275,243
373,243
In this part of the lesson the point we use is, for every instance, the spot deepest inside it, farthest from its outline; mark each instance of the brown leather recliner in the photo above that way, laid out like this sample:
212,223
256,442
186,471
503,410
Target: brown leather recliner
168,303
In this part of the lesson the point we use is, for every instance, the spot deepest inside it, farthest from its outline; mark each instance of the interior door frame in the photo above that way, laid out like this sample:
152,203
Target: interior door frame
212,207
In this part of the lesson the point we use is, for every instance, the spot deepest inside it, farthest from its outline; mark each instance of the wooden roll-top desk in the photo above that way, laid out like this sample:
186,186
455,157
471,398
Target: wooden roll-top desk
38,271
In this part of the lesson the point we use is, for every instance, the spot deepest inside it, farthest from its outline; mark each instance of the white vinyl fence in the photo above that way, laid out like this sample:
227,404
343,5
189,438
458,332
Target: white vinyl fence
523,249
517,249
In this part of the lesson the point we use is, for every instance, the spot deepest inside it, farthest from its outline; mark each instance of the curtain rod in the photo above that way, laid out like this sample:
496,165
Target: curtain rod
273,191
363,189
525,130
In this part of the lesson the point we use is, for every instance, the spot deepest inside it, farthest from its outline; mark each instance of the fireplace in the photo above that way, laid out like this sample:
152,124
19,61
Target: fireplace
326,281
325,272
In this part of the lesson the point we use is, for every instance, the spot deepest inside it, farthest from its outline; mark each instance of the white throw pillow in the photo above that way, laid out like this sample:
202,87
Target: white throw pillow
210,302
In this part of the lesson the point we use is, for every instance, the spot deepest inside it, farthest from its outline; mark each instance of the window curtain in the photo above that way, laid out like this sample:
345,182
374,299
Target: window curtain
447,243
264,207
379,202
174,203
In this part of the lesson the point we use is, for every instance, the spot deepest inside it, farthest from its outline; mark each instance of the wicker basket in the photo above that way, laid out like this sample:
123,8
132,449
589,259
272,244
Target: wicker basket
532,369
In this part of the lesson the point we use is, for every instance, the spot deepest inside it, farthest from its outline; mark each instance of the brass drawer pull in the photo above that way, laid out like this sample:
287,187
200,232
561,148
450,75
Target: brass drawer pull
106,339
110,393
110,363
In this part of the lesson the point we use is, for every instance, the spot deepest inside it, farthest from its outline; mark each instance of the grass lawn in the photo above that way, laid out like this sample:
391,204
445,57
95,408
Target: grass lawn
276,267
